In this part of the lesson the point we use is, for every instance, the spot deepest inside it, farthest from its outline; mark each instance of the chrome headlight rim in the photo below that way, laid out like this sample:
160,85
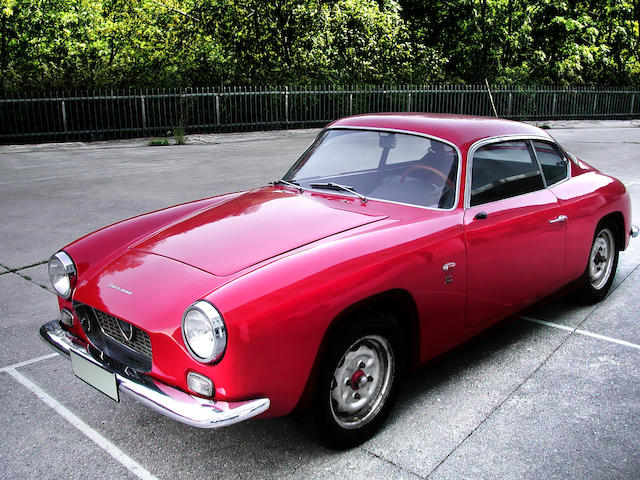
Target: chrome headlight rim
218,327
70,269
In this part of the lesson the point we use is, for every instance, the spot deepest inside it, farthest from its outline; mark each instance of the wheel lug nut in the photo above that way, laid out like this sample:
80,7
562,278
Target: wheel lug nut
370,378
361,365
356,396
348,382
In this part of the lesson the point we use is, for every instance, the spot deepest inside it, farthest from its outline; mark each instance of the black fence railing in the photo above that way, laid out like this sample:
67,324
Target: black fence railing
104,115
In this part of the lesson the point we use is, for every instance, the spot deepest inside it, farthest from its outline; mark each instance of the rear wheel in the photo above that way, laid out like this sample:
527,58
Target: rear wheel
359,378
602,266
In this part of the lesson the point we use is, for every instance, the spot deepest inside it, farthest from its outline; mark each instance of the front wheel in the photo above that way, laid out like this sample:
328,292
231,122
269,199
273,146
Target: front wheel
602,266
358,380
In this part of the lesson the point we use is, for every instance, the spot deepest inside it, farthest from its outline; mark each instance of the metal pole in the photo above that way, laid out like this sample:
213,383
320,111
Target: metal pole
493,105
351,104
217,109
144,116
286,106
409,102
64,118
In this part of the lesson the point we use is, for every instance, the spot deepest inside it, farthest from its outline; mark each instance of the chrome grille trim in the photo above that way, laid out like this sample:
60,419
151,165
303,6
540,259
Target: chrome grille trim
140,342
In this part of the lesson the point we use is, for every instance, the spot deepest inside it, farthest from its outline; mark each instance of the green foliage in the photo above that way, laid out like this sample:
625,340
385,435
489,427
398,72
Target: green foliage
158,142
87,44
179,134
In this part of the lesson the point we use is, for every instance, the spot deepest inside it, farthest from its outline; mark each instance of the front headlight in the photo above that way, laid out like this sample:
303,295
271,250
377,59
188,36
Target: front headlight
204,332
62,273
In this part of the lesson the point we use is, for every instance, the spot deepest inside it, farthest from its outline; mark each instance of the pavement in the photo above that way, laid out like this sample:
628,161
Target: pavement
552,395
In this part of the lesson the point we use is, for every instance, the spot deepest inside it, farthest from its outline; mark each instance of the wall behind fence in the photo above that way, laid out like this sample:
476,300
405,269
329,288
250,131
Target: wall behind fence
102,115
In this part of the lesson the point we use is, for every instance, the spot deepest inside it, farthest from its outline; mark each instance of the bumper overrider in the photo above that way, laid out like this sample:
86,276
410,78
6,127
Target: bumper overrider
167,400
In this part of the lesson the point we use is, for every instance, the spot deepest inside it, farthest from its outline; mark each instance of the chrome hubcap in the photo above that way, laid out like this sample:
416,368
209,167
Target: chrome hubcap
361,381
601,259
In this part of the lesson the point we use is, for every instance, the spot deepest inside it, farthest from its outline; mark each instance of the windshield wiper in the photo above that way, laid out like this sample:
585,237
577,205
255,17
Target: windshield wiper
337,186
291,184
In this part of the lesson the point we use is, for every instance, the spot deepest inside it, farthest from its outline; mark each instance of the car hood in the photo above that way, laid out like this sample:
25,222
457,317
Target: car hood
253,227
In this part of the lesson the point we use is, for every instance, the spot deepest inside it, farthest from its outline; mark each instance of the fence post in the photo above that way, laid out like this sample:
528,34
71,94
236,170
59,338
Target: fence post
217,109
633,99
595,103
509,104
286,106
351,104
409,102
553,106
64,119
144,116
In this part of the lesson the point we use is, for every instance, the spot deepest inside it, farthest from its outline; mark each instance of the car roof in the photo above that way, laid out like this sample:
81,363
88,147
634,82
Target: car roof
461,130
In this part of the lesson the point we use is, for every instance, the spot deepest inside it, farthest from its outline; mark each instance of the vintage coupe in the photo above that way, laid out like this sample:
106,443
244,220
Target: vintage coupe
394,238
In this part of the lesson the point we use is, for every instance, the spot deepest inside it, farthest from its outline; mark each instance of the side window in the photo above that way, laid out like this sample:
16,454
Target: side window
554,165
502,170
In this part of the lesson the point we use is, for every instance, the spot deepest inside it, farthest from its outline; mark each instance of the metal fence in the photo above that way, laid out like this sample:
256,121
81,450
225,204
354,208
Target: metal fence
101,115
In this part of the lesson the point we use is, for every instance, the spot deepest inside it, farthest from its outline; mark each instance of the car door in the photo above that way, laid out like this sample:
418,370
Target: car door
514,231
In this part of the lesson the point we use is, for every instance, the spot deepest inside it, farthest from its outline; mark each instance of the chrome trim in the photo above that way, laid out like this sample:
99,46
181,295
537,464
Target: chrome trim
504,138
219,330
448,266
69,267
418,134
164,399
559,219
634,231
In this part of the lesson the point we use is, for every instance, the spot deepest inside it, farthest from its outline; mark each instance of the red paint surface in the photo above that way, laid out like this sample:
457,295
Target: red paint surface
282,266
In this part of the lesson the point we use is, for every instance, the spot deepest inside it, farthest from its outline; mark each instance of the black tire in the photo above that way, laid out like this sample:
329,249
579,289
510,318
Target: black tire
601,269
367,356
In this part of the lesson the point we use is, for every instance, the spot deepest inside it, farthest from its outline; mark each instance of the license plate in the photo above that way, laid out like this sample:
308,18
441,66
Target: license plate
96,376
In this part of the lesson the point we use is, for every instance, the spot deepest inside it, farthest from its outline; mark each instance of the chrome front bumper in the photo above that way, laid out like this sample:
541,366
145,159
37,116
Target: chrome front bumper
169,401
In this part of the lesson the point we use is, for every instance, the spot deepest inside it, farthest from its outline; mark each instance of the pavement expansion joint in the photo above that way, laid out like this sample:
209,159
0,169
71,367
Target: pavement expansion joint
386,460
14,270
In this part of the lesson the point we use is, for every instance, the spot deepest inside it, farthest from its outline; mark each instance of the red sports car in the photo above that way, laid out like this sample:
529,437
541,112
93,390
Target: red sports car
394,238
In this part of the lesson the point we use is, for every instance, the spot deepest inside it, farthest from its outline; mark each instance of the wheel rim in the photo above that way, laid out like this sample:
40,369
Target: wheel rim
361,382
601,259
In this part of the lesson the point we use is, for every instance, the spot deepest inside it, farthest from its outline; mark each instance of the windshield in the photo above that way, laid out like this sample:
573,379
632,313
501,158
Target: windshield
398,167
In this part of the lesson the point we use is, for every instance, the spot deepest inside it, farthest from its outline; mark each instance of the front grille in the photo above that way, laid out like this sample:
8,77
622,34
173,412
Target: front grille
140,341
118,339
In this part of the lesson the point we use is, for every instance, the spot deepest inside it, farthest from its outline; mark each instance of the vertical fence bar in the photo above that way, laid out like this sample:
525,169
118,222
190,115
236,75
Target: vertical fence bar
143,111
217,110
286,107
64,119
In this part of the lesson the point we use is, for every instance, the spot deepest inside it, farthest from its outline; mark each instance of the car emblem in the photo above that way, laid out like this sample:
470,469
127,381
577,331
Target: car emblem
126,329
120,289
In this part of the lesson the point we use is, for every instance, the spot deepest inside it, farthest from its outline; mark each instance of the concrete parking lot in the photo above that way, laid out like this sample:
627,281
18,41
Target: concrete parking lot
552,395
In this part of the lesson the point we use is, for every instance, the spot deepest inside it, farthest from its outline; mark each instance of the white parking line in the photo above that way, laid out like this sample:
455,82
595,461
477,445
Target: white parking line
124,459
28,362
582,332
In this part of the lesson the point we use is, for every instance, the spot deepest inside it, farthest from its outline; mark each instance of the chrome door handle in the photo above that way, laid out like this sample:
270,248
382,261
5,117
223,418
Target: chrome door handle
561,218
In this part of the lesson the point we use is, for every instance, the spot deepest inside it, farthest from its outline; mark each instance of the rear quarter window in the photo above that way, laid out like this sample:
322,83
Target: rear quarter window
554,166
